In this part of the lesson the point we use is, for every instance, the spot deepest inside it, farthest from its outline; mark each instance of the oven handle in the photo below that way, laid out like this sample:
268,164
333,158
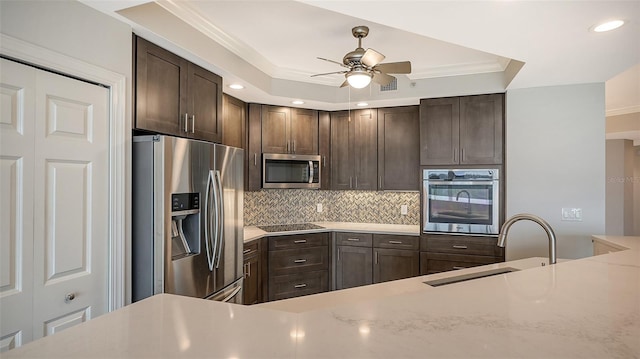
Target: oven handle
462,183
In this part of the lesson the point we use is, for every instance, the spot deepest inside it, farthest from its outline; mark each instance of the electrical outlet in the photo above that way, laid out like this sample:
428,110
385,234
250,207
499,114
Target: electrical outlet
403,210
319,207
572,214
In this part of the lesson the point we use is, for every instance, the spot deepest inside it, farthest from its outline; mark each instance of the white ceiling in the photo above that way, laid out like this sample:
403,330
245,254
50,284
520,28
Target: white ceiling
456,48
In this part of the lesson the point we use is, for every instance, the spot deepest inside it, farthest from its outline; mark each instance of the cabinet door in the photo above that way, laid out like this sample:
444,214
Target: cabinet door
204,108
392,264
439,131
481,128
234,113
251,286
341,156
161,89
304,132
365,150
399,148
253,177
324,148
354,267
275,129
431,263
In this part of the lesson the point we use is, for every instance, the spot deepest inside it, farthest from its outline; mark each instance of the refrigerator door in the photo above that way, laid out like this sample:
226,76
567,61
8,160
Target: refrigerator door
228,174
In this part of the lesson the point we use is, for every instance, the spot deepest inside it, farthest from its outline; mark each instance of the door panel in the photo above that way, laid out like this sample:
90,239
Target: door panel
275,129
365,150
17,118
354,267
304,131
398,143
341,169
66,321
481,129
392,264
439,131
71,200
206,104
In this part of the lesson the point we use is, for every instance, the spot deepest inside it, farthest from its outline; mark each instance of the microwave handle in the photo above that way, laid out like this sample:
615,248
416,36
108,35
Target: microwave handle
310,171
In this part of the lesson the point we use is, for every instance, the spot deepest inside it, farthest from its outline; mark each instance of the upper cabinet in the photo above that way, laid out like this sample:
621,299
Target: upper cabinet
462,130
398,149
174,96
289,130
234,119
354,137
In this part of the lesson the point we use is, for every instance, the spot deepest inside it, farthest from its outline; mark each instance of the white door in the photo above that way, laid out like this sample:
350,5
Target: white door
66,259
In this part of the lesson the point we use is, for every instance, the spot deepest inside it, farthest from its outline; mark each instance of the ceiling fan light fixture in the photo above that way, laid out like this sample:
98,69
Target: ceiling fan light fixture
358,78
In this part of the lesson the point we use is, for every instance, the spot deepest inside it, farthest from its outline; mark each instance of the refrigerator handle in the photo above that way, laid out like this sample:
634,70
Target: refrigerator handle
232,295
220,215
207,222
216,219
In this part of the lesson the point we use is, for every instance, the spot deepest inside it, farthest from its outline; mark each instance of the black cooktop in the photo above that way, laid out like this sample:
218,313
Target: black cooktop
290,227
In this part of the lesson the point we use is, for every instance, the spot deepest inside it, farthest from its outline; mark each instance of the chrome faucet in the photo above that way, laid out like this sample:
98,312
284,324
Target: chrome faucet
502,237
468,199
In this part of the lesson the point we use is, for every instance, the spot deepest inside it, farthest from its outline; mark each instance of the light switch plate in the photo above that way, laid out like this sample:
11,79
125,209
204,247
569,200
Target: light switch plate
572,214
403,210
319,207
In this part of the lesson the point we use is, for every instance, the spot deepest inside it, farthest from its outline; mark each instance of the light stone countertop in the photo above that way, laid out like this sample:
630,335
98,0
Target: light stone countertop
584,308
253,232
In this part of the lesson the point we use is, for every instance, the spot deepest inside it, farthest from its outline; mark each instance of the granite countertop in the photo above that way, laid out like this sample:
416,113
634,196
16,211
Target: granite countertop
584,308
253,232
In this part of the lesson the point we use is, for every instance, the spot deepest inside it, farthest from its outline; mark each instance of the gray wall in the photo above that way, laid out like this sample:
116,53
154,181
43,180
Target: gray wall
555,158
620,156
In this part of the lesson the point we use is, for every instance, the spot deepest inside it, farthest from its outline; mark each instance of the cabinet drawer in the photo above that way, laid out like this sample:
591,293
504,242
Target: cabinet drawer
484,246
436,262
289,261
295,285
251,249
354,239
298,241
395,241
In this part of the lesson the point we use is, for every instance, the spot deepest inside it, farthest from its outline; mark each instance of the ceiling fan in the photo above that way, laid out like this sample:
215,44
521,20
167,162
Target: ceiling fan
365,66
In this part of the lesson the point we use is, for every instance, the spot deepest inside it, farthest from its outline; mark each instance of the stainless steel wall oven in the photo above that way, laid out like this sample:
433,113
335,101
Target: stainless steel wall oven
461,201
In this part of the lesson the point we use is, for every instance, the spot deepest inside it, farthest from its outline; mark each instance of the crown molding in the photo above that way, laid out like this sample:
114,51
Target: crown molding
623,111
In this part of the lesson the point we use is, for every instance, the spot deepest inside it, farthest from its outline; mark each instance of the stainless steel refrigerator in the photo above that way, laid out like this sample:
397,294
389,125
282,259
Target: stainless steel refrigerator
187,230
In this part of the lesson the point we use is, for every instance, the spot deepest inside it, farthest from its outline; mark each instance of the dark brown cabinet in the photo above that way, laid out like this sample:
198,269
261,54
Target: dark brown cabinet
234,120
253,175
395,257
462,130
398,148
441,252
354,259
174,96
298,265
289,130
252,273
354,150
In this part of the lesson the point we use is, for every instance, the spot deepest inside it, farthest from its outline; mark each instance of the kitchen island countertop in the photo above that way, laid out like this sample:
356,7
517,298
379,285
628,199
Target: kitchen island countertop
584,308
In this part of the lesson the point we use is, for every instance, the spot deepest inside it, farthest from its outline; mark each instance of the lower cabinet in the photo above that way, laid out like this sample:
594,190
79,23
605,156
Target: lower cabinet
298,265
252,273
354,260
395,257
441,252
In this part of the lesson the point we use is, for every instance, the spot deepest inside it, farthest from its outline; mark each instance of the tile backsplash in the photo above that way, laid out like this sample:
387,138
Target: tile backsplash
286,206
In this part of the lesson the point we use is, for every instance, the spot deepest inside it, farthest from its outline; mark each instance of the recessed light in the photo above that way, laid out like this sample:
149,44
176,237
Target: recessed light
297,102
608,26
236,86
362,104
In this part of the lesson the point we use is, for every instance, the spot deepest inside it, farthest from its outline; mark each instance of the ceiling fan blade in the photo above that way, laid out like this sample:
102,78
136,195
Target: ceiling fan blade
330,73
344,84
335,62
382,79
371,58
403,67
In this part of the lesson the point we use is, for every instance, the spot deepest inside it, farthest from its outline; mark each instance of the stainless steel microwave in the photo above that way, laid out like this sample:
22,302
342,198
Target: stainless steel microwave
290,171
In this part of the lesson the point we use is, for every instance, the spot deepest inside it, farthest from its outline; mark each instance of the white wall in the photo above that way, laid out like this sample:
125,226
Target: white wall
78,31
620,158
555,158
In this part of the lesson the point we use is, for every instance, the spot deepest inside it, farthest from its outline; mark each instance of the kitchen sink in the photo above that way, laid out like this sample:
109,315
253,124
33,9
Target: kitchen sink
470,276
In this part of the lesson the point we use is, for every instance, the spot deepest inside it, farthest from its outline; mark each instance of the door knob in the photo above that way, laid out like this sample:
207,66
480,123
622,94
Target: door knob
69,297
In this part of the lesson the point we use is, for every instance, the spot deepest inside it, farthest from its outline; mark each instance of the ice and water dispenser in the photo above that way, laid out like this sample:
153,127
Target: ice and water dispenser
185,224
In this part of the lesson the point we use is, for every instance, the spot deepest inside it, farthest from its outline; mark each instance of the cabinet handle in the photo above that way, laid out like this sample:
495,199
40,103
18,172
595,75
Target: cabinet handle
298,286
186,122
300,241
350,182
461,155
300,261
338,254
246,251
354,239
288,147
255,159
459,247
293,146
324,161
376,257
456,267
395,242
356,181
455,155
69,297
380,182
193,124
